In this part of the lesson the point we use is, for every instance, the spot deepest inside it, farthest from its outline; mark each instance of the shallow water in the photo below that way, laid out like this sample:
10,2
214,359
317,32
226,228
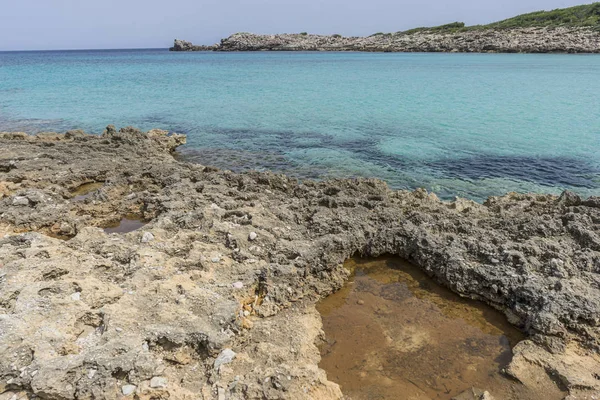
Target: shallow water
472,125
125,225
84,191
392,333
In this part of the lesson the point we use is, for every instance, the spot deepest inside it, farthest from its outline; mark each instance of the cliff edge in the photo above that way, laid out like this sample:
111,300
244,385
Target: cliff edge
568,30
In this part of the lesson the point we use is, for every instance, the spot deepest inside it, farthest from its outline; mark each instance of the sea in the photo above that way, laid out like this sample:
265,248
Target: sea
468,125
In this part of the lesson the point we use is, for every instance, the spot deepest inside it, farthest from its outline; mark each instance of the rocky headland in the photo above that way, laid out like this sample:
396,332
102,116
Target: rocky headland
214,298
514,40
568,30
182,45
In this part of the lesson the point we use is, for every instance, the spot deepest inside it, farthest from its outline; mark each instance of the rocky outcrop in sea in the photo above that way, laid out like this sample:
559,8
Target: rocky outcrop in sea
517,40
182,45
215,296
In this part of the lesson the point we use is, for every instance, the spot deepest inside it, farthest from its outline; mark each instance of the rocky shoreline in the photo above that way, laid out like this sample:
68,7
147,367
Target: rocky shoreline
215,297
513,40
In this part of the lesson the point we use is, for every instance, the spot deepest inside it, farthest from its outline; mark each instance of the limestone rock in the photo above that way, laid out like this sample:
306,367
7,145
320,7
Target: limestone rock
167,311
512,40
158,382
225,357
182,45
20,201
128,389
147,237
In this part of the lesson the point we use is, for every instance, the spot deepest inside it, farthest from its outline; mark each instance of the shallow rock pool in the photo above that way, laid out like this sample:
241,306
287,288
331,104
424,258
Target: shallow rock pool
392,333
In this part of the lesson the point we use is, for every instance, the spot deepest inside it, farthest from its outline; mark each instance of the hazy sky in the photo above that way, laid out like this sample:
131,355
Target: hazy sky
87,24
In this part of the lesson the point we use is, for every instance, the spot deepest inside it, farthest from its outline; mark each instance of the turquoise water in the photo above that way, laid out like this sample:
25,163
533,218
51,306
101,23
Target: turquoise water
471,125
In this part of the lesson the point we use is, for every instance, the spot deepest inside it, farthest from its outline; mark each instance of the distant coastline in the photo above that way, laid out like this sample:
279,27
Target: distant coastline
569,30
527,40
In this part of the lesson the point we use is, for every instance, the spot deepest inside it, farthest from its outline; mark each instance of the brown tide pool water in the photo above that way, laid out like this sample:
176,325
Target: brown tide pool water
393,333
84,191
128,224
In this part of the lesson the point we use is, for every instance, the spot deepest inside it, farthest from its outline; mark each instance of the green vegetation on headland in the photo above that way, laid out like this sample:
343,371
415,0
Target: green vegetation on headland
587,15
454,26
569,30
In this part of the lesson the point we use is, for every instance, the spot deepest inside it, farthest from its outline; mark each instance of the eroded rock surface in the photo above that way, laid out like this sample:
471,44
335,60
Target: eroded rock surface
230,266
514,40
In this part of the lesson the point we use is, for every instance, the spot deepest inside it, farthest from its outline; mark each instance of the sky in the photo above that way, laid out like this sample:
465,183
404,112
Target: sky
112,24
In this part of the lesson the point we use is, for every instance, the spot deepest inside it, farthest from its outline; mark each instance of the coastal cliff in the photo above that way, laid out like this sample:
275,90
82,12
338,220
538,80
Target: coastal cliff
520,40
569,30
215,296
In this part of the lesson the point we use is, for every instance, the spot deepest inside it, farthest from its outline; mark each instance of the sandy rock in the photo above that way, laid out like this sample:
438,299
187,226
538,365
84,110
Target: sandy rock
168,310
474,394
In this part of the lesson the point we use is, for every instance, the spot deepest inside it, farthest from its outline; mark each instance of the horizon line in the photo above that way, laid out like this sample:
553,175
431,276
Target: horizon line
90,49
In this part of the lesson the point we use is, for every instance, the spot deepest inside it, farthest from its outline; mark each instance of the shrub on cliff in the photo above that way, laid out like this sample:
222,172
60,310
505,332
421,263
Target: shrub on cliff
585,15
452,27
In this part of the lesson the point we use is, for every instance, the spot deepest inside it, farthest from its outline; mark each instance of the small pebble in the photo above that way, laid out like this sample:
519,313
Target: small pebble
215,259
225,357
360,302
158,382
147,237
128,389
252,236
20,201
76,296
238,285
119,329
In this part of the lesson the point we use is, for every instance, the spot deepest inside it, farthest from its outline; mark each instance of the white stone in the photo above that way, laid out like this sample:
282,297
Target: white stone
215,259
20,201
220,393
225,357
158,382
238,285
147,237
76,296
252,236
128,389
